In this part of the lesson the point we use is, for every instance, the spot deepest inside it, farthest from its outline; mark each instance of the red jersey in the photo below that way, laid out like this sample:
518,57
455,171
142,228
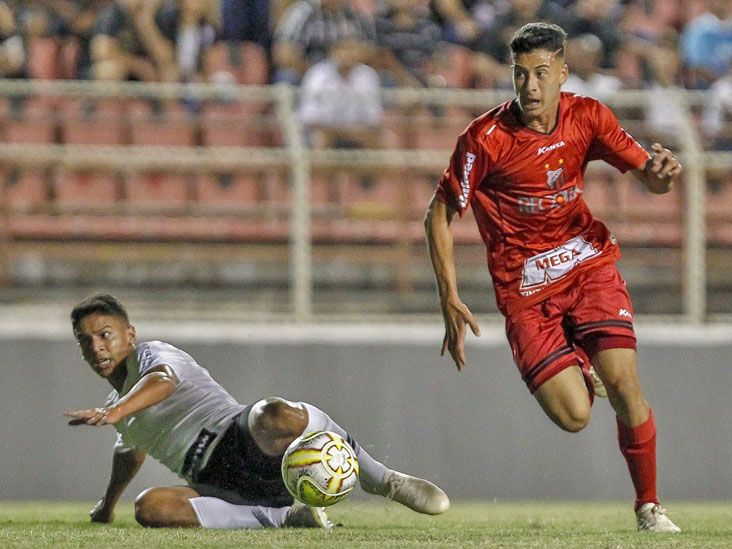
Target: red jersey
525,189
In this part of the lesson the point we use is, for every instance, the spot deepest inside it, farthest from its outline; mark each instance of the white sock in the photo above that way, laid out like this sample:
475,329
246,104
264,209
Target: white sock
373,474
217,513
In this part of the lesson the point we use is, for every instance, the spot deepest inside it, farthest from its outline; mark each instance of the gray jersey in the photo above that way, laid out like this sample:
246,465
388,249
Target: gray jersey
168,429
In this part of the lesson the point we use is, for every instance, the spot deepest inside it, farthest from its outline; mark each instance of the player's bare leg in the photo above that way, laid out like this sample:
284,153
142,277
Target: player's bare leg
564,398
168,507
619,372
275,422
636,434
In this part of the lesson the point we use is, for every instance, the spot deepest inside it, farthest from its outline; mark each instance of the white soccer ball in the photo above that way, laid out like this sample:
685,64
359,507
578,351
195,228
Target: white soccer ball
319,469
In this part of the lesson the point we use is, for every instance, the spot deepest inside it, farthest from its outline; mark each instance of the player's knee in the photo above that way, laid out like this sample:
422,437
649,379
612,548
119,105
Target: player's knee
279,417
574,420
150,508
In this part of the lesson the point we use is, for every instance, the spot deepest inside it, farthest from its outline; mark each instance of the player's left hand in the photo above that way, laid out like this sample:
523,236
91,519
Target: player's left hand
663,167
92,416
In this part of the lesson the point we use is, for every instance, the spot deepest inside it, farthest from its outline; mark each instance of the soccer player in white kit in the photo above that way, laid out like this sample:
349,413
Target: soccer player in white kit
166,405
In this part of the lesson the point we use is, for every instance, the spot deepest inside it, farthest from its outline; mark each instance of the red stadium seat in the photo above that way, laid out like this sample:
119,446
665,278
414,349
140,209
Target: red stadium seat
78,189
234,125
229,189
636,202
245,61
94,122
25,189
158,190
600,196
31,121
719,199
440,132
43,58
161,124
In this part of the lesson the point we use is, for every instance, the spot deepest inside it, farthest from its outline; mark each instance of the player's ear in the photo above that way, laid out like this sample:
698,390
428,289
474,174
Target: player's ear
563,74
131,333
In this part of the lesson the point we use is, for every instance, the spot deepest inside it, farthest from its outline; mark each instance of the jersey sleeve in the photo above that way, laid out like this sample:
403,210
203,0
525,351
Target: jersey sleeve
612,143
468,166
152,354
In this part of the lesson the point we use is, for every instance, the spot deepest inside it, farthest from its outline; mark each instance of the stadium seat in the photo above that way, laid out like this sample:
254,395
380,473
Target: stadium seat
455,66
246,62
30,121
440,131
82,189
43,58
229,189
636,202
234,125
719,199
94,122
25,189
161,123
600,196
158,190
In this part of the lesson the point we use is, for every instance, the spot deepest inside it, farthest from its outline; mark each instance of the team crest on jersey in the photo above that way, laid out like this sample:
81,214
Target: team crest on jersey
554,177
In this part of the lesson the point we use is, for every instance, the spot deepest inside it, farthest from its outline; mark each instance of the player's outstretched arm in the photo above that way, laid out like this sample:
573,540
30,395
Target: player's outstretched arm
454,312
660,171
154,387
125,466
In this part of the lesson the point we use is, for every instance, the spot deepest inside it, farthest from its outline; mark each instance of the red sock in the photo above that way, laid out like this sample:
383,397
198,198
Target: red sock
638,446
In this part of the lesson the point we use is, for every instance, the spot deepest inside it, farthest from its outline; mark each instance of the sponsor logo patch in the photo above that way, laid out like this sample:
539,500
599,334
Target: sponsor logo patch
549,148
465,181
542,269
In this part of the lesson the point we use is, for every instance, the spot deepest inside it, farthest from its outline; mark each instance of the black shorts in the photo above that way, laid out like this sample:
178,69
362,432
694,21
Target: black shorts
239,472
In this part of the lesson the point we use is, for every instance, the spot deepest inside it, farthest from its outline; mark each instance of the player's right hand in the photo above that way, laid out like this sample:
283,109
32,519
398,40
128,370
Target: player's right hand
457,315
101,512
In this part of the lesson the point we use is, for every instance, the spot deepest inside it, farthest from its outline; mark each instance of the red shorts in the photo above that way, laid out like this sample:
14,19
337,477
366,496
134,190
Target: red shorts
570,327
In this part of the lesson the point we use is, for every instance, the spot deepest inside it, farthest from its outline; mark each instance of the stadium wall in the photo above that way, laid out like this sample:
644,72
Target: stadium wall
477,433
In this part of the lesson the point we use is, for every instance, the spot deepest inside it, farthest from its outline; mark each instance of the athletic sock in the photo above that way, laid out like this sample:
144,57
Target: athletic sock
373,474
638,446
217,513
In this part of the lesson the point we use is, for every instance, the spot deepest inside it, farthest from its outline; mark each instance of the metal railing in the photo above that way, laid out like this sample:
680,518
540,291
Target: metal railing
296,158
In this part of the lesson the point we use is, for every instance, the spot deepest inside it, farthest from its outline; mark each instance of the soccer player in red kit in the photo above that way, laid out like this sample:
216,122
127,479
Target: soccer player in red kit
520,167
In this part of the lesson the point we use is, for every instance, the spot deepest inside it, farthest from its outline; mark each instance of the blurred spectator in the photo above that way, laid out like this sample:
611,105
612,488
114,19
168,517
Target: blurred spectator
717,114
307,30
706,43
58,35
247,21
12,49
131,43
192,26
598,18
340,102
664,76
485,28
464,21
408,41
586,76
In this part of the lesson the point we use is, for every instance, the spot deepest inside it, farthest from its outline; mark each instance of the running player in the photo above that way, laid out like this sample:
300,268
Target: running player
165,404
520,167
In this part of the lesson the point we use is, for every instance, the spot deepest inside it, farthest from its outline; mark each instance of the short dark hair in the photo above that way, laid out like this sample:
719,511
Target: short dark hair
104,304
538,36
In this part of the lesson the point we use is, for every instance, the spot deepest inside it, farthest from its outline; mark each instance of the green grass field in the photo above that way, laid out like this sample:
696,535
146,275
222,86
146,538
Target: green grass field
515,524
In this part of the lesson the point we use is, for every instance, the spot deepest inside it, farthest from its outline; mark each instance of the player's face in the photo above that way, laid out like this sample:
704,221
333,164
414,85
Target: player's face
105,342
537,78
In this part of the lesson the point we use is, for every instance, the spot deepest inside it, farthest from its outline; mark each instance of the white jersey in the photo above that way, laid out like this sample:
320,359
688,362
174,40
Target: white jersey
168,429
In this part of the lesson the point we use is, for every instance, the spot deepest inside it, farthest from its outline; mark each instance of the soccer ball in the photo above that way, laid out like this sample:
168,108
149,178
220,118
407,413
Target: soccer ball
319,469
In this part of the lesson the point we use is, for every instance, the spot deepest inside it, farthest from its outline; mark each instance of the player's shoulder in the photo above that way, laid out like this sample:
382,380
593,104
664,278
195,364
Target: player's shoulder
148,350
497,120
579,103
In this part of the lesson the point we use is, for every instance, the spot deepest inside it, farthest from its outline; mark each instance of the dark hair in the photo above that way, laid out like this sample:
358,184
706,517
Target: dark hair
538,36
103,304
